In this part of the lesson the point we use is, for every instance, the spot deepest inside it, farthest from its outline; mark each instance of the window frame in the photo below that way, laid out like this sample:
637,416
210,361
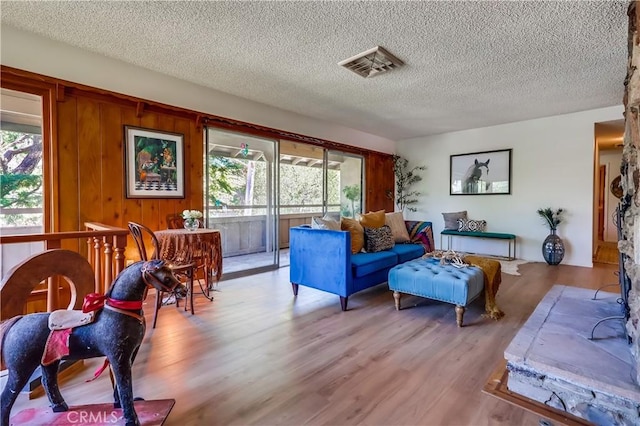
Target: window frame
47,94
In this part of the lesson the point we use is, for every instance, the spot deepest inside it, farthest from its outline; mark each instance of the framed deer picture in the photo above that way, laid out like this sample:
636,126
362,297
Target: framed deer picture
481,173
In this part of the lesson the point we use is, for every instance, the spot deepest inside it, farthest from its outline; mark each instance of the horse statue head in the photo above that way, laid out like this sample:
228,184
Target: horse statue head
133,281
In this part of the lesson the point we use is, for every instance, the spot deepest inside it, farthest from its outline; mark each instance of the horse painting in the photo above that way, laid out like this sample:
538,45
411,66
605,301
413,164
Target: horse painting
471,181
116,332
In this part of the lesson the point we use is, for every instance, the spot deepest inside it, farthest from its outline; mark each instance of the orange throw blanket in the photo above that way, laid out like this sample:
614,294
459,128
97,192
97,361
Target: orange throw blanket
492,272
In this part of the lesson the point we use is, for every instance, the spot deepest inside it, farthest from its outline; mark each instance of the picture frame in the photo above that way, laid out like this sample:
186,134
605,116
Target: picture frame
154,163
480,173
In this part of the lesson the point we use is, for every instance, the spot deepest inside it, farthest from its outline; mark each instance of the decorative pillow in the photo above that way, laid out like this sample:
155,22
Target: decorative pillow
470,225
378,239
372,219
324,223
356,231
421,233
451,219
395,221
332,216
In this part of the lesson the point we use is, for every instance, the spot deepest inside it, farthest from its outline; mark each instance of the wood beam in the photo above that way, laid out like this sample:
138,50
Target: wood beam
140,109
60,92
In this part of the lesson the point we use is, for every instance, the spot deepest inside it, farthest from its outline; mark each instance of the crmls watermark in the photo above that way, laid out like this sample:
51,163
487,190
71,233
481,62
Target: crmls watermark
83,417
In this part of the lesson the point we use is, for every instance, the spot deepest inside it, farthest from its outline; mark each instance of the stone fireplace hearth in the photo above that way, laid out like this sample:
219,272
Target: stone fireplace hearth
553,360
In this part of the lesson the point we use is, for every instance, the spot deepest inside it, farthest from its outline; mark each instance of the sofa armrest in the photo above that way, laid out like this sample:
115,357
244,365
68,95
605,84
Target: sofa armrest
421,233
321,259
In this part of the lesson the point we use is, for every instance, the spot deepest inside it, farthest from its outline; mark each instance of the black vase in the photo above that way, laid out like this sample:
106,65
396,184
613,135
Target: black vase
553,248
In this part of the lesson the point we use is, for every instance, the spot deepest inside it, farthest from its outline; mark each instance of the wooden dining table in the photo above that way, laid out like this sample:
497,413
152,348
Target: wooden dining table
201,246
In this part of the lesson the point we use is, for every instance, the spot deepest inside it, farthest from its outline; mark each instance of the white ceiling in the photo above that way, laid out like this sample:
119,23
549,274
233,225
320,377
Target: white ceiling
468,64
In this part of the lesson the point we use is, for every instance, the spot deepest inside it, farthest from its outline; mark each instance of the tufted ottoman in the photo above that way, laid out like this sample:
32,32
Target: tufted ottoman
446,283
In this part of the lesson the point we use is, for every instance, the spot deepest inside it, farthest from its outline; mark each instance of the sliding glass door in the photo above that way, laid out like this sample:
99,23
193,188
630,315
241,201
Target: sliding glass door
315,181
258,188
241,184
345,183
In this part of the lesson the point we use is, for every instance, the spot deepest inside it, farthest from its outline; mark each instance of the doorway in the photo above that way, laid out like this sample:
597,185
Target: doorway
609,142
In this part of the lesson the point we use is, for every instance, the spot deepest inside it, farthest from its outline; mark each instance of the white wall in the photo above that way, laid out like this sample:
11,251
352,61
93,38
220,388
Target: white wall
552,166
612,161
33,53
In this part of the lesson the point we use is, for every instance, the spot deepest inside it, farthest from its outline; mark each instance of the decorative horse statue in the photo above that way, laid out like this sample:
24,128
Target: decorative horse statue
116,332
471,179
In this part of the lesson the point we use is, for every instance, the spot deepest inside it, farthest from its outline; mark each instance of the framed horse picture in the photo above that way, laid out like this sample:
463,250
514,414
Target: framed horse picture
480,173
154,163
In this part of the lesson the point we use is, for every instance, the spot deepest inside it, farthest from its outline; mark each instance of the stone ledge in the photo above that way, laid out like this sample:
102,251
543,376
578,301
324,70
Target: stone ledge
552,360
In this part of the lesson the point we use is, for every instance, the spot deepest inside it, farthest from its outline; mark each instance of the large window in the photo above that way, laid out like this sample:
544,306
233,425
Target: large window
347,183
258,188
21,174
239,177
315,180
301,188
21,171
240,199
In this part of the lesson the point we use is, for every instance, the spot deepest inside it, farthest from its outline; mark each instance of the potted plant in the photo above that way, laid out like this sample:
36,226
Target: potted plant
553,246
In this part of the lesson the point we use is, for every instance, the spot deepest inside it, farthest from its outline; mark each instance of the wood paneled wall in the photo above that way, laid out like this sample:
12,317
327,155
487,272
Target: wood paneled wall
87,140
91,163
380,182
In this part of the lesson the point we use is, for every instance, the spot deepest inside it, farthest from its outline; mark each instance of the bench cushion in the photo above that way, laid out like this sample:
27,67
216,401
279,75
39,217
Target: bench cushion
498,235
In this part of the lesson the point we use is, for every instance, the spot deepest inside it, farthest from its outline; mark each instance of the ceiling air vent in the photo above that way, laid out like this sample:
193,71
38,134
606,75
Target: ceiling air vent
372,62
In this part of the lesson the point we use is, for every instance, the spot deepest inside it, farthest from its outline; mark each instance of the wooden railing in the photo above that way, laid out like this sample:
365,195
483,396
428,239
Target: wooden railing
105,252
109,240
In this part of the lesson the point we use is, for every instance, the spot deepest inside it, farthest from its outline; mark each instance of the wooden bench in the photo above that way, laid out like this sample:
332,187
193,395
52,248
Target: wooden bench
510,238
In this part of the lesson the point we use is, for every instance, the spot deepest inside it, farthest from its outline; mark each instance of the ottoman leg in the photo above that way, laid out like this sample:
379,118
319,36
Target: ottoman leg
396,298
459,315
295,289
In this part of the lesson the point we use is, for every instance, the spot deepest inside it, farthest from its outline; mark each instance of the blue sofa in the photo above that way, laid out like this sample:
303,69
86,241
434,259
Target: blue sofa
322,259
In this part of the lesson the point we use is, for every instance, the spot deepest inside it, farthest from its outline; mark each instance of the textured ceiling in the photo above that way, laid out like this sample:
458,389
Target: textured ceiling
468,64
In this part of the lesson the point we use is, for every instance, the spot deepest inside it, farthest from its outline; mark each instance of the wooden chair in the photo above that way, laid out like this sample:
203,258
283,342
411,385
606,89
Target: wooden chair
175,221
185,270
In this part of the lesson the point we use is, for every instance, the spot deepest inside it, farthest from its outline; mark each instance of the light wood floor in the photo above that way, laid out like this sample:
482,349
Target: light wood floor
258,356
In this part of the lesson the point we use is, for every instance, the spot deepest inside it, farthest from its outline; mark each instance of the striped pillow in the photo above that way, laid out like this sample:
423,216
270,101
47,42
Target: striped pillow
421,233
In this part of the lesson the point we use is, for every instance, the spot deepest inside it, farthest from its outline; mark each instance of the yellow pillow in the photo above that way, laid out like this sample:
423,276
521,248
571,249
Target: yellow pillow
372,219
357,233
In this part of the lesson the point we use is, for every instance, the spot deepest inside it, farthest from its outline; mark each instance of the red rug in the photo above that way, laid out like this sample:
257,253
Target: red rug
150,413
